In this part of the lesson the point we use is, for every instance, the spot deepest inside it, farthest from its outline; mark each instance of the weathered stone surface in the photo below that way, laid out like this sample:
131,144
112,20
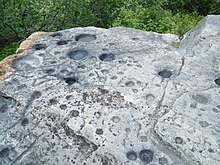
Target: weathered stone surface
113,96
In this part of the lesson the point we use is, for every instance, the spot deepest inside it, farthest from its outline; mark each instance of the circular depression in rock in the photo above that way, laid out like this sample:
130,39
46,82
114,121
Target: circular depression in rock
129,83
199,98
71,80
165,73
79,54
149,98
85,37
203,124
36,95
108,57
217,81
4,152
178,140
62,42
24,122
116,119
53,101
74,113
131,155
50,71
63,106
39,46
146,156
81,66
99,131
57,34
64,71
28,62
143,138
163,161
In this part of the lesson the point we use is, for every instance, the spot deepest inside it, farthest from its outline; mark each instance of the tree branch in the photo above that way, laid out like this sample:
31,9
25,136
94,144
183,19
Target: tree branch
13,29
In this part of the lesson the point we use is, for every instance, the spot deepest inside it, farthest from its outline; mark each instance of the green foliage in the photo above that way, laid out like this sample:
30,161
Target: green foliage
24,17
157,20
20,18
202,7
105,11
184,22
8,50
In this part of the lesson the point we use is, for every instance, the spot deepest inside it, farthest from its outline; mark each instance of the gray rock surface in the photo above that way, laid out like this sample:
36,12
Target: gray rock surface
119,96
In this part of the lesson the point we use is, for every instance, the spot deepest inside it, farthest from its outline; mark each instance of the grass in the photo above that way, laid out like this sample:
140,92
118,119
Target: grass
175,44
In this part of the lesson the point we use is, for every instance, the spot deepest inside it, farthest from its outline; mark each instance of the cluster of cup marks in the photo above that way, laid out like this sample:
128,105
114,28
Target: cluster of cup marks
81,54
75,54
145,155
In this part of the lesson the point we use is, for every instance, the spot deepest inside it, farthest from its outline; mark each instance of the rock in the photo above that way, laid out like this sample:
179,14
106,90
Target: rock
29,41
112,96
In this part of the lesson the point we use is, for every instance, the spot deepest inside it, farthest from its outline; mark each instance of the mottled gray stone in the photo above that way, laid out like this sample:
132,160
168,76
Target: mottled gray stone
104,96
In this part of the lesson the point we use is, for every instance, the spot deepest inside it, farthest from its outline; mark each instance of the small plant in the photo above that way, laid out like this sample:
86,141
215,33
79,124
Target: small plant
175,44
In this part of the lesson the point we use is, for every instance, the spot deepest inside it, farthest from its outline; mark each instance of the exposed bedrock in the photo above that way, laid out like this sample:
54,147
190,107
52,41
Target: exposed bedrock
118,96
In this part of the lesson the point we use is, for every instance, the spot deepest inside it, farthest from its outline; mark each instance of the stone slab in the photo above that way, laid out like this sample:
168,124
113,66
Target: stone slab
117,96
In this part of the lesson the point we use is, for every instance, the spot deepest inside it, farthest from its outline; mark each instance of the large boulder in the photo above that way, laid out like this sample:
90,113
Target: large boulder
118,96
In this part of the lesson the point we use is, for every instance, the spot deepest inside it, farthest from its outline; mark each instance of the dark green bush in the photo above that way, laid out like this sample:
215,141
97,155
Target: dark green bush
20,18
202,7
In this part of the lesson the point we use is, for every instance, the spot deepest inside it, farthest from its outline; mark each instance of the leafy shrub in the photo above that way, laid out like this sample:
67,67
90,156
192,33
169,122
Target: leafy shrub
20,18
156,19
184,22
25,17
